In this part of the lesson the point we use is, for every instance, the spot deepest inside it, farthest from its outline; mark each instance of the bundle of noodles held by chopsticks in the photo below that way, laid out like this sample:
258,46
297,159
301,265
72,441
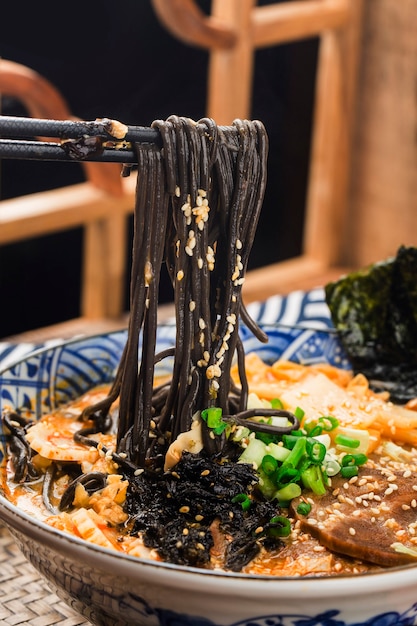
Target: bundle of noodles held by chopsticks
197,208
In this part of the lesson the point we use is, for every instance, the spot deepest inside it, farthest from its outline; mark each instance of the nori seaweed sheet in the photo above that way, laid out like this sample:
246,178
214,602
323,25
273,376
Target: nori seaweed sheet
374,311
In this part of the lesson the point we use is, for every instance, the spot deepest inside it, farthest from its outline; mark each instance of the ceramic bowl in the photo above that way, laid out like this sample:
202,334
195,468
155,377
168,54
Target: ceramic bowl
112,589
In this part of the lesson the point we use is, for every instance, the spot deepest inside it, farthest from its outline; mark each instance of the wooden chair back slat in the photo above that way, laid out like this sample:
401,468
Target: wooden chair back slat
99,205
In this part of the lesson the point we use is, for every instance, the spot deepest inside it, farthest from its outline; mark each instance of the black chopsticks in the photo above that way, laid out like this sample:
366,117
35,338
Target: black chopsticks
48,151
100,140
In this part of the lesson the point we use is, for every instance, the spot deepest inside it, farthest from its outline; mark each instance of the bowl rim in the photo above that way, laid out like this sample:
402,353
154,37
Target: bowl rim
63,342
69,545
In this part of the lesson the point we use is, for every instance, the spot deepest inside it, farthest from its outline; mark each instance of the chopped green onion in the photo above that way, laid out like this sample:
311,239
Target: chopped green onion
279,453
304,508
317,430
304,464
360,459
324,439
279,526
244,501
354,459
348,442
253,453
266,438
288,493
349,471
396,452
269,464
400,547
313,479
316,451
328,422
297,452
331,467
266,485
213,418
299,413
276,403
357,434
289,441
287,475
309,426
280,421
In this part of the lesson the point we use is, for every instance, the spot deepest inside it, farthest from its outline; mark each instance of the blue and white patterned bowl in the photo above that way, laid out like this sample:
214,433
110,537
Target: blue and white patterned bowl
112,589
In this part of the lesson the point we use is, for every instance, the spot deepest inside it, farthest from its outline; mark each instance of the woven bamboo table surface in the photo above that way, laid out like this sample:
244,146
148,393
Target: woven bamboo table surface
25,597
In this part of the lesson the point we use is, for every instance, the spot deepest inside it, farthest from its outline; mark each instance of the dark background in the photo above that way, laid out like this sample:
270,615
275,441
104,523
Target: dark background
121,63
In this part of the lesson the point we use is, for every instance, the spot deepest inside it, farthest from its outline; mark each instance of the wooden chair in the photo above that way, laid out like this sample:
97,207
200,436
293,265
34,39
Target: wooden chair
99,205
232,33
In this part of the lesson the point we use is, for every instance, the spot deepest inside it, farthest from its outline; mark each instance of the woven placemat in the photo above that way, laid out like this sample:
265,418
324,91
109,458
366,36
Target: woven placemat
25,598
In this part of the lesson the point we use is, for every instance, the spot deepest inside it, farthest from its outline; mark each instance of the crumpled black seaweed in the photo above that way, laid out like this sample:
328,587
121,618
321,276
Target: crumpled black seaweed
174,511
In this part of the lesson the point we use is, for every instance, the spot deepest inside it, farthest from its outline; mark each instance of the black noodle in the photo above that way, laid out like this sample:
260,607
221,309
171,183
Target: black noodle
197,207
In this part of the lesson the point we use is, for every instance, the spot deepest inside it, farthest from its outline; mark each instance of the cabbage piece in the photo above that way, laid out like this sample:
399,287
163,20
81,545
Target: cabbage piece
374,311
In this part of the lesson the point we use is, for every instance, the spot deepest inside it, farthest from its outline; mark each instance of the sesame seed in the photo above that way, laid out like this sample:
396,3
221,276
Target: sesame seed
352,531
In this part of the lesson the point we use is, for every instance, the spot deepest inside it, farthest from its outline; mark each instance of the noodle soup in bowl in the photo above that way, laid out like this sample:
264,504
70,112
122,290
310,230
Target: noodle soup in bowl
111,588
